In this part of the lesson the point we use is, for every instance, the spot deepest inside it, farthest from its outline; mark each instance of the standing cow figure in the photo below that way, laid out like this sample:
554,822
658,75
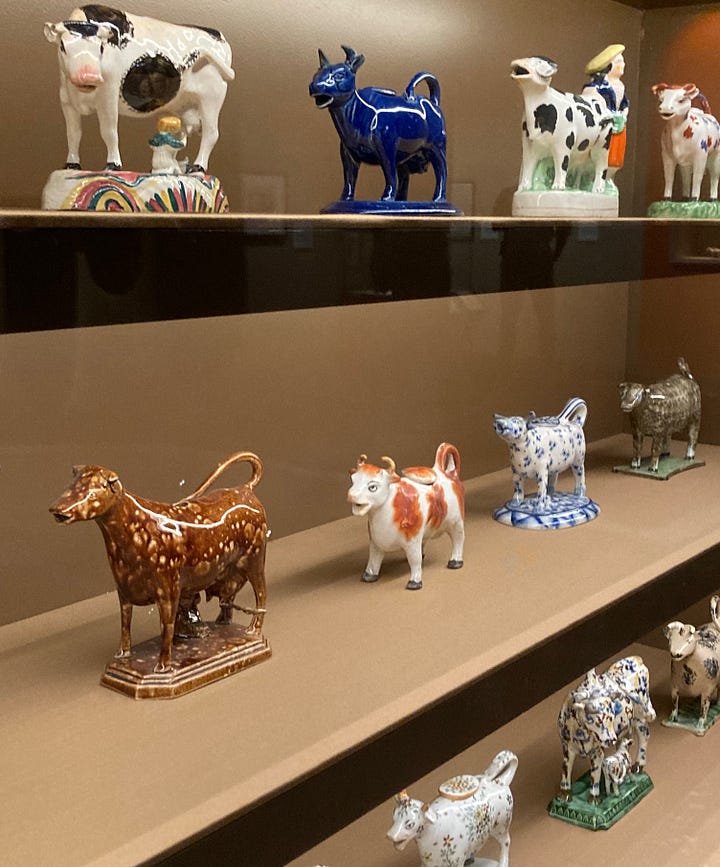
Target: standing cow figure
690,140
165,554
401,134
470,809
115,63
597,713
405,510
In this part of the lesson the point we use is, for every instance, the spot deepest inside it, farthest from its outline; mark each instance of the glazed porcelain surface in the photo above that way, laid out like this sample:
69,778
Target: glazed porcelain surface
695,667
402,134
540,449
606,70
404,510
112,62
599,712
660,410
165,554
456,825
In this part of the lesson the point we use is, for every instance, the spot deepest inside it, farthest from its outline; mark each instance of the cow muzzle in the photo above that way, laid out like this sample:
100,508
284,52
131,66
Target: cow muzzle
62,517
87,79
360,509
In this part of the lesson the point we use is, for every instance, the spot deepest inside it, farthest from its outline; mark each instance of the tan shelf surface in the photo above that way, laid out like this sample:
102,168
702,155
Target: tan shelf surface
678,816
91,777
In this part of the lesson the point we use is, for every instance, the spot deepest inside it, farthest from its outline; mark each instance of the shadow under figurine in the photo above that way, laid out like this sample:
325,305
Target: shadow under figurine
605,711
165,554
670,406
541,447
469,809
404,510
695,672
400,133
690,141
114,63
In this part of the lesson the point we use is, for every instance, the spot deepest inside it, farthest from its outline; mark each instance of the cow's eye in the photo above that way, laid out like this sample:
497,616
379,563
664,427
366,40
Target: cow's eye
62,47
372,487
102,48
338,76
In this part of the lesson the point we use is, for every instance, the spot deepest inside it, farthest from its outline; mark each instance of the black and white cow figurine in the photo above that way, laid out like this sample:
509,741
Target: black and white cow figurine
574,130
114,63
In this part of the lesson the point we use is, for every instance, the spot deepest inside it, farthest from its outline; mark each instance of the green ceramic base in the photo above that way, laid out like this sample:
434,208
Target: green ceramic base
667,467
600,817
688,717
685,210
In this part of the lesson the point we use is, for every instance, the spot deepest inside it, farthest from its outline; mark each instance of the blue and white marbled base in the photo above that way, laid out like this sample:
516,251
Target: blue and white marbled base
402,209
565,510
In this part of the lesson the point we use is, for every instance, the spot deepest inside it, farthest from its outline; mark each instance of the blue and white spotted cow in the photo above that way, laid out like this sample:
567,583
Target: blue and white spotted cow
574,130
598,713
542,447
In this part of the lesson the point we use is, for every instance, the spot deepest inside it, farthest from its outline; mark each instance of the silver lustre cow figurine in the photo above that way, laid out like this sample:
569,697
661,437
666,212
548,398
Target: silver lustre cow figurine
659,410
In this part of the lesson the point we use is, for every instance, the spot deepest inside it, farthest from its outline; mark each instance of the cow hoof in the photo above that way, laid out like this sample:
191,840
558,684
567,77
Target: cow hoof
74,166
369,578
455,564
593,799
113,167
565,797
636,769
161,667
195,169
122,654
414,585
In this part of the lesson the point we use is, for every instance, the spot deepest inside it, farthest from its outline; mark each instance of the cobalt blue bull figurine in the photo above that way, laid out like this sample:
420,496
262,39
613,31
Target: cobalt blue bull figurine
401,134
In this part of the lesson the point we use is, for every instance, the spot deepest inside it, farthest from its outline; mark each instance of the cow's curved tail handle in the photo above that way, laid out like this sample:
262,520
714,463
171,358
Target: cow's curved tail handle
250,457
227,72
432,83
502,768
684,368
714,611
574,412
447,461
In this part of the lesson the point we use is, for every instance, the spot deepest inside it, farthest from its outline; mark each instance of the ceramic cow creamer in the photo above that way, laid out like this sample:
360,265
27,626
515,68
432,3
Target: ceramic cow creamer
115,63
404,510
690,139
469,810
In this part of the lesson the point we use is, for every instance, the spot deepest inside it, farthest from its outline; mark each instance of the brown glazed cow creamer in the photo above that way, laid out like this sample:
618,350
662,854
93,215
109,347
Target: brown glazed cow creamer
165,554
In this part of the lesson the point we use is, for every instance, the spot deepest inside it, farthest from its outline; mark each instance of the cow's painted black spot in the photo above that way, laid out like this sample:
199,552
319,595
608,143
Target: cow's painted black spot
569,114
598,108
120,23
565,162
606,143
216,34
150,82
584,144
585,111
82,28
546,118
570,141
525,129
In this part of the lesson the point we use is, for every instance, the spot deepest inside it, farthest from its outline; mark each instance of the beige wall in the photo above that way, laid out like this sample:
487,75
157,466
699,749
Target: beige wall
277,151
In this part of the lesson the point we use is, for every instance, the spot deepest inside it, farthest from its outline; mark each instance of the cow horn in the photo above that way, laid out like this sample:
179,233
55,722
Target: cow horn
402,797
324,62
352,58
390,464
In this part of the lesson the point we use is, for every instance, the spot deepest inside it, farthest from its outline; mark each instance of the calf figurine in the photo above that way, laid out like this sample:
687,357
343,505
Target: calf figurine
617,766
115,63
401,134
456,825
404,510
690,140
695,663
670,406
165,554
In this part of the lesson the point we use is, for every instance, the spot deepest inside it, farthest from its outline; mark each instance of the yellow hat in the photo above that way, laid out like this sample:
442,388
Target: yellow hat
604,59
169,123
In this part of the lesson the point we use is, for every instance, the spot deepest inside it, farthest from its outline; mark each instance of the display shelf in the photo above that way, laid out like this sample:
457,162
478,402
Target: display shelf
369,686
116,268
677,762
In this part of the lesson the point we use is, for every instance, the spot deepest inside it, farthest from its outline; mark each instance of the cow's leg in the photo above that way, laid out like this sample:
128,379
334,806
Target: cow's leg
457,537
518,488
675,696
655,451
637,446
256,576
438,160
209,103
552,481
698,172
596,757
529,163
714,173
73,128
414,557
693,433
350,172
403,183
542,488
704,709
387,155
643,733
561,162
107,113
167,604
578,471
502,835
669,164
685,180
372,570
566,777
126,611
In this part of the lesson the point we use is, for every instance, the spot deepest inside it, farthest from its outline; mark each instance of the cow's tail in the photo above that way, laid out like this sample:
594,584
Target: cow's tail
227,72
684,368
447,461
432,83
502,768
714,611
574,412
250,457
704,102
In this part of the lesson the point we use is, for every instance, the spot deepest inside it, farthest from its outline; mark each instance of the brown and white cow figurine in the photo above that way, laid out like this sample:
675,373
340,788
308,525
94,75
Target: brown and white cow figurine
114,63
165,554
690,140
404,510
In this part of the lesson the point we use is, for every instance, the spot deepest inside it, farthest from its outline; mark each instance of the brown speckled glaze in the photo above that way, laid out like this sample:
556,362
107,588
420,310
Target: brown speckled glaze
165,554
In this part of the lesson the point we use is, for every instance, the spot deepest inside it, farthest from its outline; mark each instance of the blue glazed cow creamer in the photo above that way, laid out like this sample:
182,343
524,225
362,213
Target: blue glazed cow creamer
400,133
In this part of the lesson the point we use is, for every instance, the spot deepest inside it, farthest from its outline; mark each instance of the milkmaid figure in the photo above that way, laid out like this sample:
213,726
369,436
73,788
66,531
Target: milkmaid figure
606,70
165,144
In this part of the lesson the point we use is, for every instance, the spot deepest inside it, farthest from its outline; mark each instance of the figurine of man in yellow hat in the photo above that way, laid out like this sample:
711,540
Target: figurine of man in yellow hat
606,70
165,144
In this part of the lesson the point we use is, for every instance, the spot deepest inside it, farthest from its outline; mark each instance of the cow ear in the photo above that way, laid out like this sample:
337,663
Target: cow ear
431,815
657,89
105,32
53,32
114,484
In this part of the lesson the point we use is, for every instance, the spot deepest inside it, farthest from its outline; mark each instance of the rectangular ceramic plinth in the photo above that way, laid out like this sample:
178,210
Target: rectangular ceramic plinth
667,467
600,817
196,662
689,716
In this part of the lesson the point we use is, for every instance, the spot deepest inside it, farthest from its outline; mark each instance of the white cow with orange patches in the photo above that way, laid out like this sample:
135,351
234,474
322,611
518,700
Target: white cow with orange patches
404,510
